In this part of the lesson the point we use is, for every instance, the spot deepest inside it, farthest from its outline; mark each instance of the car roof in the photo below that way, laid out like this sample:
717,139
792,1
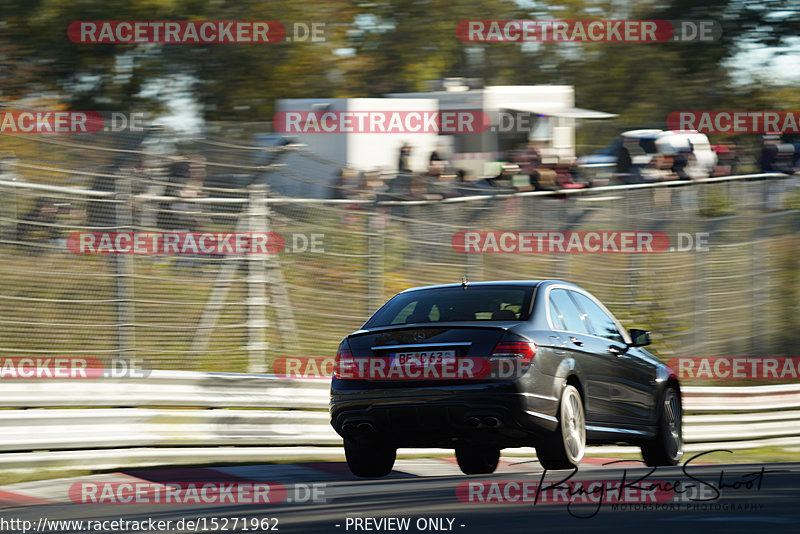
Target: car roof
642,134
521,283
692,135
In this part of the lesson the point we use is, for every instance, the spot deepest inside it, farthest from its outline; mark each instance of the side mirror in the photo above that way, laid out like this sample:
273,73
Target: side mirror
639,338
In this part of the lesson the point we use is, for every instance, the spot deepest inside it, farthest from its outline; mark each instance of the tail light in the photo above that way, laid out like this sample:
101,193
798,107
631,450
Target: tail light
519,354
344,363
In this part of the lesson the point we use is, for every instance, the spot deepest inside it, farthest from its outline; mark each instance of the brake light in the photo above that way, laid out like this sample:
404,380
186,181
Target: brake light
519,351
344,363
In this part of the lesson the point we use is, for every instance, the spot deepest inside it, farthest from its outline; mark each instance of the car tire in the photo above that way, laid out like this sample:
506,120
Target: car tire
564,448
666,448
477,459
369,459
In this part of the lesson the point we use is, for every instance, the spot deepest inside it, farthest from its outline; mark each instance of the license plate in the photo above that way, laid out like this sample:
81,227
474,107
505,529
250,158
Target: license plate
425,358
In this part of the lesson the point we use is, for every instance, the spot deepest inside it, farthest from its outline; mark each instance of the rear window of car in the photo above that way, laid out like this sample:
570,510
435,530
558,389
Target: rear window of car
476,303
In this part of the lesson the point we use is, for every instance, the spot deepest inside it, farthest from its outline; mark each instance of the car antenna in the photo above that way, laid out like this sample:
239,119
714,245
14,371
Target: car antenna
464,282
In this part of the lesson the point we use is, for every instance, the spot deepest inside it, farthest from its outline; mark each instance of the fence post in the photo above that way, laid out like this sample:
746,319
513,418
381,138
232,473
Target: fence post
256,286
760,310
376,226
8,200
701,279
8,214
123,264
757,341
216,300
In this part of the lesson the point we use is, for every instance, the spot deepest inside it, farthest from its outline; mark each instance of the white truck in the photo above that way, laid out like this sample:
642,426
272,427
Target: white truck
312,172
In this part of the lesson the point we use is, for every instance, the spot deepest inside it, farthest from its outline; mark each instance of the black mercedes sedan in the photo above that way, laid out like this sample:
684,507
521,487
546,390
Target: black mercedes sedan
479,367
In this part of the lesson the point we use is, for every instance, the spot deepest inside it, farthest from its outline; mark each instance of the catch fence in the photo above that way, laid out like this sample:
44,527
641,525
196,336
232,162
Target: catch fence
727,284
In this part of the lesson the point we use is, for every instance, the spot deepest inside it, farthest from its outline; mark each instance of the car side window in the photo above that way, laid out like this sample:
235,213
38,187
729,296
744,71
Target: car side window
599,321
569,314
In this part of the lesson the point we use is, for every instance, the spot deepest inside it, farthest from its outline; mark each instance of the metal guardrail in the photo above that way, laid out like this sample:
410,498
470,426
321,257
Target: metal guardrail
185,389
193,409
486,194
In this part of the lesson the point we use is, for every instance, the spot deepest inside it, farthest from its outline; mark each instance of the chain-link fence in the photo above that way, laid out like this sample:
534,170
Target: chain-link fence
342,258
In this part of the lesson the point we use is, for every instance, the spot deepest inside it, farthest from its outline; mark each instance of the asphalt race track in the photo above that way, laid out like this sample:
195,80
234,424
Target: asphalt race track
430,503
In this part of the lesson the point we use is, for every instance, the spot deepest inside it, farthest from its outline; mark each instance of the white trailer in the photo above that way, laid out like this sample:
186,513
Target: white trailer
306,176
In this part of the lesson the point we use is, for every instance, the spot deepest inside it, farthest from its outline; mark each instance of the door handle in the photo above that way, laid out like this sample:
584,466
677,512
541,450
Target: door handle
576,341
616,351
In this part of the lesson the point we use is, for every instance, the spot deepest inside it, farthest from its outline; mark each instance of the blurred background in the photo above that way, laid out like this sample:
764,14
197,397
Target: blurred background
209,159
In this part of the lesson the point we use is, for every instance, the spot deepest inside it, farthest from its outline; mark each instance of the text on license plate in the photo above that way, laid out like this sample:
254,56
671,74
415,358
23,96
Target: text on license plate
425,357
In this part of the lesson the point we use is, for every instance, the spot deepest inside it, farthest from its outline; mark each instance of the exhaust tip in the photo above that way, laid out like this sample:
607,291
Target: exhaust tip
490,422
365,427
472,422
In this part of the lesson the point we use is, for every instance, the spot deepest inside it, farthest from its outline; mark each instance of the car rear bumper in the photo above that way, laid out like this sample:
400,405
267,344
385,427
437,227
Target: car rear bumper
440,416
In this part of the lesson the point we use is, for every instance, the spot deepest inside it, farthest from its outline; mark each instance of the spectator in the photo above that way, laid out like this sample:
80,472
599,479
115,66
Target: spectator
564,177
506,177
784,158
185,181
339,185
532,159
796,164
372,185
679,165
769,152
544,179
624,160
724,164
631,159
777,156
39,224
178,175
436,168
404,163
654,171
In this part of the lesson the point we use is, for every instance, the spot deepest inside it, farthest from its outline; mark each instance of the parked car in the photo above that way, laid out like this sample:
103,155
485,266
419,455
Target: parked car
599,169
633,150
672,143
548,366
